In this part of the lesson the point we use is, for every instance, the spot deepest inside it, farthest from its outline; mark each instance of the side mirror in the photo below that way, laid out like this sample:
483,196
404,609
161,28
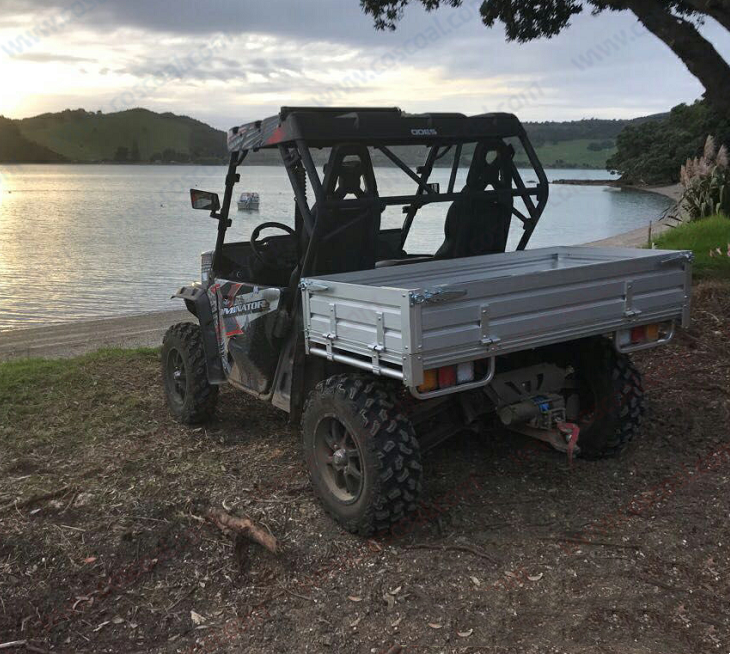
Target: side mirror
204,200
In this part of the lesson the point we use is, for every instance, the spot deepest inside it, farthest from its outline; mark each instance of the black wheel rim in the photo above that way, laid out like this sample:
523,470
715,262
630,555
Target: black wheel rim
338,457
176,376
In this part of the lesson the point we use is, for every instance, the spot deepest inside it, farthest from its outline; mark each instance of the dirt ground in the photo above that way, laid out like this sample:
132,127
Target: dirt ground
118,561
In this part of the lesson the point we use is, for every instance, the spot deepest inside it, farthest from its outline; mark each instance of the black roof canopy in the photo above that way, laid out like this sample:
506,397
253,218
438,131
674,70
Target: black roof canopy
328,126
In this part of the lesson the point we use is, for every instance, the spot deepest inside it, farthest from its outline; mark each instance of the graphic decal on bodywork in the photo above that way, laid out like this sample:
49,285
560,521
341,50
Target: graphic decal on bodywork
253,135
237,306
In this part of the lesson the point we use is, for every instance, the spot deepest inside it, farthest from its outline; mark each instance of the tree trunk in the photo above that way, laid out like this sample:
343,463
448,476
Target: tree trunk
717,9
697,53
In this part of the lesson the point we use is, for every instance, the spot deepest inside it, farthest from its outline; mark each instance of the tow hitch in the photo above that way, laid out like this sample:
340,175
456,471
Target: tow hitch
543,417
571,431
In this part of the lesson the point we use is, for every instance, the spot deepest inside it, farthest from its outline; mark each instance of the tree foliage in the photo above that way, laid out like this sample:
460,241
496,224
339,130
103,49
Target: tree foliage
653,152
526,20
672,21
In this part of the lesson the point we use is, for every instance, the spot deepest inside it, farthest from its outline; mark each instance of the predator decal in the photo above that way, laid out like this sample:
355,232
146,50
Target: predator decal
240,309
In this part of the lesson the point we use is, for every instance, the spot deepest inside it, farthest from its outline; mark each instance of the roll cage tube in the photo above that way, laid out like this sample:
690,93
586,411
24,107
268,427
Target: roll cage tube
542,196
224,221
298,154
298,162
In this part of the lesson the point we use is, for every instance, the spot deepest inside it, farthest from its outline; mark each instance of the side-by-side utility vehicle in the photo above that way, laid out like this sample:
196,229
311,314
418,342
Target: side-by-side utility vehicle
382,352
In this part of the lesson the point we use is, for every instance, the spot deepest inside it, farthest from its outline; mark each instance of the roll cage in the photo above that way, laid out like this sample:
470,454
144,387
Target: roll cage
358,131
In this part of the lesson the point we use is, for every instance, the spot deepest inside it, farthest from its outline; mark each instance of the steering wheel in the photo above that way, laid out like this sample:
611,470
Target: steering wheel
256,245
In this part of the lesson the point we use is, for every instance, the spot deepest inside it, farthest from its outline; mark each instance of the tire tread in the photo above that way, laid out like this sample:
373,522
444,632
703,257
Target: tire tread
391,441
202,396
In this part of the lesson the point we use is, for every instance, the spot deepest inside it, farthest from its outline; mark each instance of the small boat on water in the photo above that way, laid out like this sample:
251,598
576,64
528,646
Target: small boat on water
248,201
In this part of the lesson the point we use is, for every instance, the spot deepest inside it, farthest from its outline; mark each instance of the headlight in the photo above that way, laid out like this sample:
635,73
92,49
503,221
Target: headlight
206,266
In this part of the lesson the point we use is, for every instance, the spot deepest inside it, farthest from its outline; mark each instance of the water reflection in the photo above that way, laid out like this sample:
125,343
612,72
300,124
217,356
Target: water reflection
83,241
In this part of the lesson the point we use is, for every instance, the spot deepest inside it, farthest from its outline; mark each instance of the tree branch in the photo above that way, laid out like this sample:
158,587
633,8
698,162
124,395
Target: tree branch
717,9
683,38
227,522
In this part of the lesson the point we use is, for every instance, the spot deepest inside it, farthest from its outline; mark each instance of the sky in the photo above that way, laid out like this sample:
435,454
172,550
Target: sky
227,62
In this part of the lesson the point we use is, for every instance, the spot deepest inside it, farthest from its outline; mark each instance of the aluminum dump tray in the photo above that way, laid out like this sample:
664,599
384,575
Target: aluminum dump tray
401,320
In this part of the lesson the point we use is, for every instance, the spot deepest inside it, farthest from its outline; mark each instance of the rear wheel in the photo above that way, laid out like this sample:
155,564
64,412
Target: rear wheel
604,396
363,456
190,396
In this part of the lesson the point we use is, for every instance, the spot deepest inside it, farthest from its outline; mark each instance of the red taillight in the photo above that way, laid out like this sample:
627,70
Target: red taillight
447,376
638,334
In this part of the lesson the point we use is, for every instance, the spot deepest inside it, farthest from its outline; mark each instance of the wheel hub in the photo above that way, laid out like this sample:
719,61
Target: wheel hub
339,459
176,372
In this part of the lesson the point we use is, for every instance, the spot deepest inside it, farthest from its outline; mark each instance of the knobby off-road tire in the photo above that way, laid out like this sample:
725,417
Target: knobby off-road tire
611,398
190,396
355,418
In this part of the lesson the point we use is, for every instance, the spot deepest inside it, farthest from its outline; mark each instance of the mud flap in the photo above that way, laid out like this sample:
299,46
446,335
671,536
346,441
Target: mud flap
196,298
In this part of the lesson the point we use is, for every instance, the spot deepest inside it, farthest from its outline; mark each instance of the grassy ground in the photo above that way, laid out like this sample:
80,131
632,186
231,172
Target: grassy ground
101,548
702,237
572,154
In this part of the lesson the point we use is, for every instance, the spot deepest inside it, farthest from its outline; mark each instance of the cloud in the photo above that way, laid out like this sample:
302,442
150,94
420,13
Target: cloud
49,58
325,19
305,51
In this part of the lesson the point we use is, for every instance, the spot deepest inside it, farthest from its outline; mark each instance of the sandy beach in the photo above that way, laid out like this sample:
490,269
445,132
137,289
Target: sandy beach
637,238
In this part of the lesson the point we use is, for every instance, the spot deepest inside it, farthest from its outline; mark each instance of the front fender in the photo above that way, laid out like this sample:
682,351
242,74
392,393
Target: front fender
197,302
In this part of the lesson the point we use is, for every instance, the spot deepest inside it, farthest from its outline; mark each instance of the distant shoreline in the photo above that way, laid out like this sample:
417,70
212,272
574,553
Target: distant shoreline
671,191
266,164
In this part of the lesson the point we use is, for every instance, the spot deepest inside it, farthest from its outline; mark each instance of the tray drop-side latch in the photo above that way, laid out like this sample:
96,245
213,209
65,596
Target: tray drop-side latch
629,311
331,335
379,345
486,338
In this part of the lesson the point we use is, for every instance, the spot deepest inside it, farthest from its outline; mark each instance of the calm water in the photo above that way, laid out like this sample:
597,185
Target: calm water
82,242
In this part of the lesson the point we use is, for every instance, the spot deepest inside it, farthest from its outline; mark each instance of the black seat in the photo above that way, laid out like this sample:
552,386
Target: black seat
477,226
349,235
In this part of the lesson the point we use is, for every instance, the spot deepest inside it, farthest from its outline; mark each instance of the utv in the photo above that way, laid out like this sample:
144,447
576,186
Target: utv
383,353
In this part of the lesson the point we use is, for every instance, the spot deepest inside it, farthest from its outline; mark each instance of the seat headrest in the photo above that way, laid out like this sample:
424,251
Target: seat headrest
350,177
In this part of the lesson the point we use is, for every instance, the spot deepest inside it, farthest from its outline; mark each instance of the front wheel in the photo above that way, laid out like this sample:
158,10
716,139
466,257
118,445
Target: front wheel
190,396
363,456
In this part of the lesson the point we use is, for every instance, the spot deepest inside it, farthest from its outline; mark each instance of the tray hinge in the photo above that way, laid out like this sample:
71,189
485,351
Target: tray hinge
312,286
486,338
629,311
684,257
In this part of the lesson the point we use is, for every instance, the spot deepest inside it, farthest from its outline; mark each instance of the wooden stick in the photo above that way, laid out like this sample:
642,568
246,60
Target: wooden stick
600,543
454,548
36,498
33,648
14,643
248,528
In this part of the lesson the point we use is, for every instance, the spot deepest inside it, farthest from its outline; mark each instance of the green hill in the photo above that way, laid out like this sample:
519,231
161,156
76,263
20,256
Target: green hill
136,135
14,147
140,135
